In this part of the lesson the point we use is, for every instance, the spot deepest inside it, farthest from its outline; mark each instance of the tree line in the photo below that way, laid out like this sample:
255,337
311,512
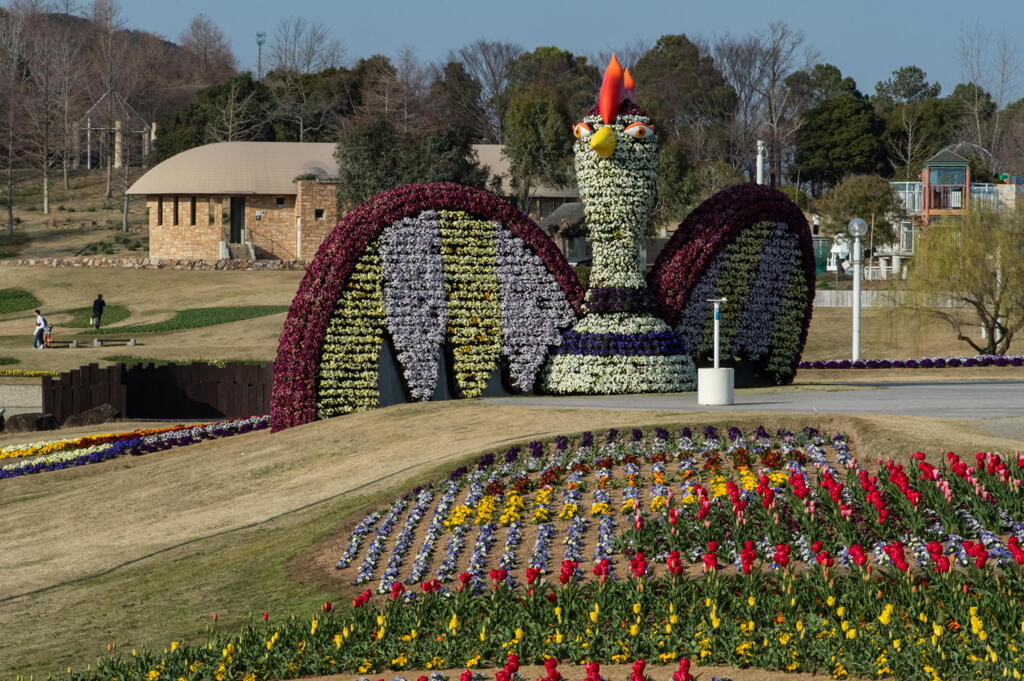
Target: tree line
401,119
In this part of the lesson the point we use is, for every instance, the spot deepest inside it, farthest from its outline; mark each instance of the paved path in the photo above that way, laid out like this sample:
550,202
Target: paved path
968,400
20,399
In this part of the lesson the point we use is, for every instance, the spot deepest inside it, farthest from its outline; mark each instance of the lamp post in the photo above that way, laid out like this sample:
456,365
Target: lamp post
717,302
857,228
715,385
761,153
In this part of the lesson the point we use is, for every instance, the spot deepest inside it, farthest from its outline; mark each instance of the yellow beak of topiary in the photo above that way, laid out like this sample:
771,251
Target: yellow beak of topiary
603,141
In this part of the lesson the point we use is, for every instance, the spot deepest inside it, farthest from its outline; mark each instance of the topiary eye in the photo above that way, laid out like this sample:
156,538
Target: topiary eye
639,130
581,130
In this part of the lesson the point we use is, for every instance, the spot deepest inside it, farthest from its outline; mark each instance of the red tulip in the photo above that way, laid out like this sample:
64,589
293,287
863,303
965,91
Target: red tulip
683,673
327,606
397,589
532,575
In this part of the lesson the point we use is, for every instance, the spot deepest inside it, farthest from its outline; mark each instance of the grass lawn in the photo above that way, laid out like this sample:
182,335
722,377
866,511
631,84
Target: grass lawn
194,318
17,300
143,551
112,314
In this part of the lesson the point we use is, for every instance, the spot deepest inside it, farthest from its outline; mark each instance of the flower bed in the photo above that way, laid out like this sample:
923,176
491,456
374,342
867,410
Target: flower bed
27,373
84,451
773,550
919,363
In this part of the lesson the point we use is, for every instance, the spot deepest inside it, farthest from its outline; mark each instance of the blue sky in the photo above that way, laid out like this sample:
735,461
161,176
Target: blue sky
866,39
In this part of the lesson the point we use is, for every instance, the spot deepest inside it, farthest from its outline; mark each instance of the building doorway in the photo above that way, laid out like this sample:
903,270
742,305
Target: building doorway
237,219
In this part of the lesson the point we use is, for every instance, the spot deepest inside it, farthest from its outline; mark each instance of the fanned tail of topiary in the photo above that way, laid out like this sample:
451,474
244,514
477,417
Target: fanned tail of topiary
422,292
751,245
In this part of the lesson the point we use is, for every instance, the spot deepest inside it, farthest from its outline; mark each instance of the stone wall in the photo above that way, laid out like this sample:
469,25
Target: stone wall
313,196
182,239
290,231
154,263
273,234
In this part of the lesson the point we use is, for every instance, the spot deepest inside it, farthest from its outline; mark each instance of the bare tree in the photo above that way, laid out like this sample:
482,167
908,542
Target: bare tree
910,143
412,78
628,54
210,50
67,53
303,46
40,93
490,64
238,119
299,100
990,65
12,46
757,67
106,17
740,62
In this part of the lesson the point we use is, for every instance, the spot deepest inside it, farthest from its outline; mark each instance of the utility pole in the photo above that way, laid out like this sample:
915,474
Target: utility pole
261,38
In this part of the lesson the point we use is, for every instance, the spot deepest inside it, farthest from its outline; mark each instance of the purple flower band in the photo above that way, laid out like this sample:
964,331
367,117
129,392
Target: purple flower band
612,299
628,344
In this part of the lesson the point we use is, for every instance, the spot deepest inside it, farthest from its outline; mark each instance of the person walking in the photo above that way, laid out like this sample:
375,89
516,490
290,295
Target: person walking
97,310
41,326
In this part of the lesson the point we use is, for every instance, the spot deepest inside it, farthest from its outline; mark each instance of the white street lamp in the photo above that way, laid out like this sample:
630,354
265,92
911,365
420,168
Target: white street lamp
857,228
715,385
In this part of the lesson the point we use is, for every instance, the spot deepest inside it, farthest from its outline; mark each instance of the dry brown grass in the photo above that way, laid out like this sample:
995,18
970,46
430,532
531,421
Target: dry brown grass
87,217
150,295
885,333
138,551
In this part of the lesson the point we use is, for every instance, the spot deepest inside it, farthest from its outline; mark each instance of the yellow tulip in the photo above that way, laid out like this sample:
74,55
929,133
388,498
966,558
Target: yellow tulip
751,601
636,608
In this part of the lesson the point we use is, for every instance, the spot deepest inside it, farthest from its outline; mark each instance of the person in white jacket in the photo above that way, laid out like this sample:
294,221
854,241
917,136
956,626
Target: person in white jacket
41,325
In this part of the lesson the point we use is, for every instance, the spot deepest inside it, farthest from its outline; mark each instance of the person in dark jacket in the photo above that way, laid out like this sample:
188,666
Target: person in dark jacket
97,309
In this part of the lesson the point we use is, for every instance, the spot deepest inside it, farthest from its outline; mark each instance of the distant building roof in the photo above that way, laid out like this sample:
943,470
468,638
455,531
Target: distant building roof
947,157
493,156
239,168
271,168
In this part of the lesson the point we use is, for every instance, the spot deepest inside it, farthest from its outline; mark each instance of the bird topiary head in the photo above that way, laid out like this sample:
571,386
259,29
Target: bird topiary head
616,157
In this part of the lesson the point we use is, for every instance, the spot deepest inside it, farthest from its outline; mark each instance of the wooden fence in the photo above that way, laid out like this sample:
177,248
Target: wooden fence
171,391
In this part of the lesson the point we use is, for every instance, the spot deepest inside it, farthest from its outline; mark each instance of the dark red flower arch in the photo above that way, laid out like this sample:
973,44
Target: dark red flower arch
710,228
293,401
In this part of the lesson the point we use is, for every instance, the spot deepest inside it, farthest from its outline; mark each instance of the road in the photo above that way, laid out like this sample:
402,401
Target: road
968,400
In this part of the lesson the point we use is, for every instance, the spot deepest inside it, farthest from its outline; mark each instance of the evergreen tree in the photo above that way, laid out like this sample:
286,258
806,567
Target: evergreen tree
839,136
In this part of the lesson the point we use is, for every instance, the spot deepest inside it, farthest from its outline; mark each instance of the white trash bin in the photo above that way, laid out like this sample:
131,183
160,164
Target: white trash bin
715,386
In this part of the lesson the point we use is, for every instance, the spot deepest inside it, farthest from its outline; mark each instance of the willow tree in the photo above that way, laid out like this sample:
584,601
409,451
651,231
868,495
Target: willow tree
976,263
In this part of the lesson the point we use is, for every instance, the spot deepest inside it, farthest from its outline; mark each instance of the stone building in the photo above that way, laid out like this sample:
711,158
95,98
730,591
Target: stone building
267,200
241,200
